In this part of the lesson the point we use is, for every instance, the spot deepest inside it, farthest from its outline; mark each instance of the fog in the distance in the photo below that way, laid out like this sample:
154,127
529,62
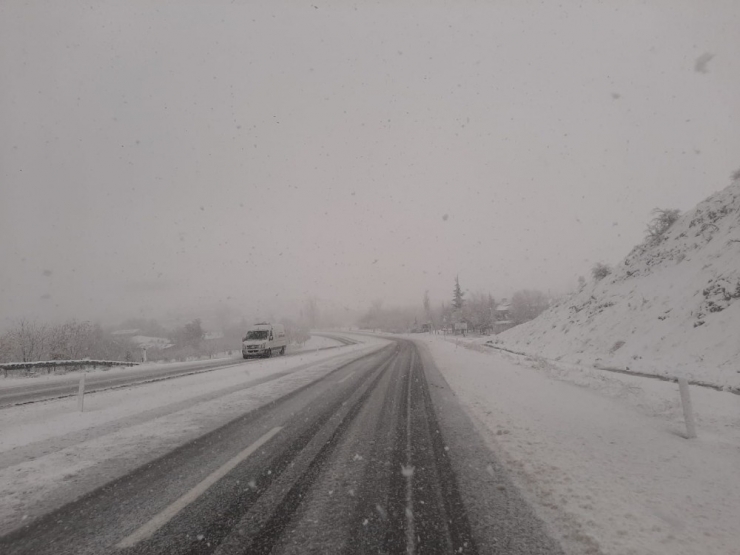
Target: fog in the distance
168,156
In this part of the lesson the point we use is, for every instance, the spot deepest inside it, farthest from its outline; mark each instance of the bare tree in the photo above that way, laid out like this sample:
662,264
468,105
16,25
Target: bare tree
527,304
28,340
191,334
73,340
6,347
478,311
295,332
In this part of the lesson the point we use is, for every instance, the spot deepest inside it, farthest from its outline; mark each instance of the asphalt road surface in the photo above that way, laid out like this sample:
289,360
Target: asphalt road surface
375,457
100,381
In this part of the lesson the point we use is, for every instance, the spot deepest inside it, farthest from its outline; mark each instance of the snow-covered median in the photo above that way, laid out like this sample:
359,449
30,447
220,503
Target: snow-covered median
602,457
315,343
50,453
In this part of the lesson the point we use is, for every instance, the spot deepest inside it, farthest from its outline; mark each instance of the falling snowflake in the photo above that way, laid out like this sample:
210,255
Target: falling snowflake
700,65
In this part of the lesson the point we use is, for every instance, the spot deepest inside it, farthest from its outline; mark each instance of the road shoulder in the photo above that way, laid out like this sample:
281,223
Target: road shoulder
500,517
602,459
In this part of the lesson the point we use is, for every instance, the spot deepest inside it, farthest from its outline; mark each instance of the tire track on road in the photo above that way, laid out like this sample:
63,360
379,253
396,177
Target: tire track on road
370,463
86,525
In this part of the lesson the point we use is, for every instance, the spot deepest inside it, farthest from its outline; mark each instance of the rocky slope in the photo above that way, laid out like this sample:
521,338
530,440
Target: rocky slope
671,307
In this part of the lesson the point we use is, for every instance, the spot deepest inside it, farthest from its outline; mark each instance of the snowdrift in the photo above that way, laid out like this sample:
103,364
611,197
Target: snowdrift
671,307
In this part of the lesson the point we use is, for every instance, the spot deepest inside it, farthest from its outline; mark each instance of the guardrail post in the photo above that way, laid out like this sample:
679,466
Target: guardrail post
81,394
688,412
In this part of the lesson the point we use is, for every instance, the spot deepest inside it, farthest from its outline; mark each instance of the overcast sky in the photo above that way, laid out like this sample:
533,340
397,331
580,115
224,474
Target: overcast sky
164,155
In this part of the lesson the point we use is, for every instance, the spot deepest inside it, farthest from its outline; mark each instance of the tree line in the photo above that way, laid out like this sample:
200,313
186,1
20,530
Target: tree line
483,313
30,341
480,311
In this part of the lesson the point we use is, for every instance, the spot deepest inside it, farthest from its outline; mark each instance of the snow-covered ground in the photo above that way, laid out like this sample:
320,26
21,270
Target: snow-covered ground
602,456
50,453
314,343
671,307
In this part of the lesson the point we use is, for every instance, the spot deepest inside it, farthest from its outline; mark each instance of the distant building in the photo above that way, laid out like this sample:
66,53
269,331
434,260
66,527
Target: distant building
502,317
146,342
126,332
460,328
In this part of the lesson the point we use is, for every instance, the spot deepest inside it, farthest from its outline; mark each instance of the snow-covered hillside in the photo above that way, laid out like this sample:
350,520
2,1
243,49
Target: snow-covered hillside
671,307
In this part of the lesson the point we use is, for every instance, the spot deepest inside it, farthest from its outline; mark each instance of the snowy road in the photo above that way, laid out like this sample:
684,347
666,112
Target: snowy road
375,456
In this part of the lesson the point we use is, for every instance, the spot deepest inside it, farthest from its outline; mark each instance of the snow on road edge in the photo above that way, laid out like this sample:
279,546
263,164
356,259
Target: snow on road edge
602,457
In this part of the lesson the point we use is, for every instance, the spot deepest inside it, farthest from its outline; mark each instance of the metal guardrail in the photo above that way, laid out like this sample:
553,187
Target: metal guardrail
699,383
49,365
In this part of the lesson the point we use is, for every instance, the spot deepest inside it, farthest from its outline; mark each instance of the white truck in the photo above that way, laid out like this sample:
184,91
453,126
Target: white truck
263,339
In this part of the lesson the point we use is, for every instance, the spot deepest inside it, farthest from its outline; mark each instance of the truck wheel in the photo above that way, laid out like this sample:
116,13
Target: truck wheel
268,353
282,351
245,356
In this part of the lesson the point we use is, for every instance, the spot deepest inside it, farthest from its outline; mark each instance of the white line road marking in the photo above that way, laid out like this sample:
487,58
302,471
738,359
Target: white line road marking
346,377
167,514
